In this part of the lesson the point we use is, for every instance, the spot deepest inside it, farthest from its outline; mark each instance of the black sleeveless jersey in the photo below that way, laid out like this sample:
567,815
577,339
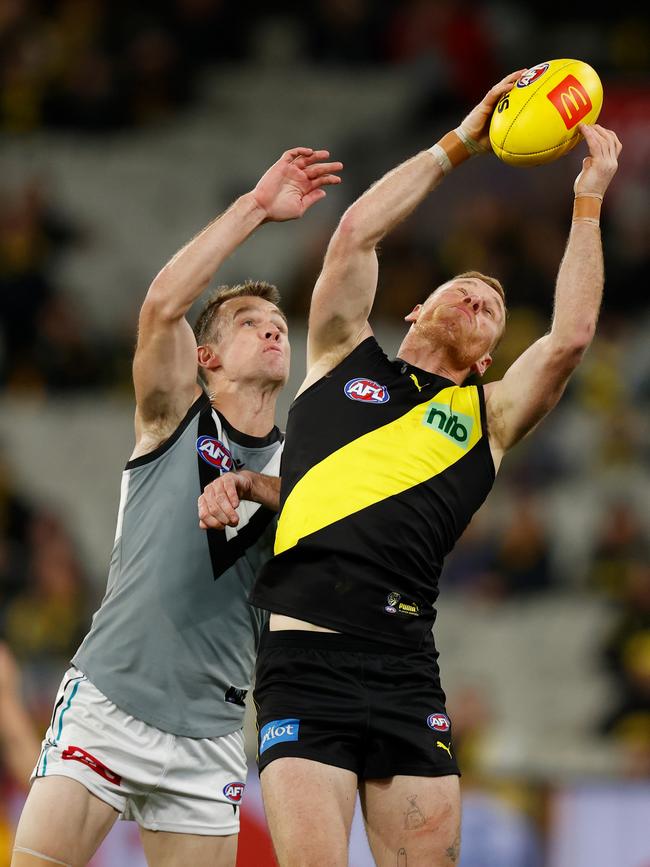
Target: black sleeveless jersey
383,467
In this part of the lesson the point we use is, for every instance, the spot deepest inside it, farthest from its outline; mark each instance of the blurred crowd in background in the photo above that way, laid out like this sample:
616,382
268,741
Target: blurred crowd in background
105,67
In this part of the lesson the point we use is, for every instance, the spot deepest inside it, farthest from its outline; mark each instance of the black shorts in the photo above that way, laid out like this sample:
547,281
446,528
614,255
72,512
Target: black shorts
366,706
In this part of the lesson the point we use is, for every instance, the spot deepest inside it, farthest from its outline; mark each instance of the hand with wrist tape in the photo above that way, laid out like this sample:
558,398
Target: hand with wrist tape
600,166
598,169
472,136
474,131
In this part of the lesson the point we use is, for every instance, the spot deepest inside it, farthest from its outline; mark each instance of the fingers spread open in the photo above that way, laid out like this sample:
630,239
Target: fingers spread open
316,156
290,155
319,169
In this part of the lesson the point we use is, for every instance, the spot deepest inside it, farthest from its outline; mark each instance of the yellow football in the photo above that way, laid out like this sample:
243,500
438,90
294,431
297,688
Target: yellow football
537,121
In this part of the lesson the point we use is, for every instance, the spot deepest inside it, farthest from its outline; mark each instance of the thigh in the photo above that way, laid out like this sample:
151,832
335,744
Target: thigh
309,808
413,820
200,790
409,732
54,806
166,849
309,702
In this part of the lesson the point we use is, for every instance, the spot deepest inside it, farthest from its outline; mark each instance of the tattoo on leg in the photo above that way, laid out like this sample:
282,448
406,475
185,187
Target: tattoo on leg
453,852
401,858
414,817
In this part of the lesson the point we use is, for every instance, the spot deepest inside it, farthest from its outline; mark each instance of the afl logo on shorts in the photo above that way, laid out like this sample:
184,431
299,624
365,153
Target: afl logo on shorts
438,722
214,453
366,390
234,792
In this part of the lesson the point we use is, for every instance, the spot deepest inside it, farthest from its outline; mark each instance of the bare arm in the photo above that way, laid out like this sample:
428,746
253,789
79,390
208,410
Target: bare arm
535,382
220,499
165,363
18,739
345,290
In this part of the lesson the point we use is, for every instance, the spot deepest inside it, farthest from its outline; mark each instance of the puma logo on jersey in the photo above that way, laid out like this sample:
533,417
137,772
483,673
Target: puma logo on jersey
417,384
444,747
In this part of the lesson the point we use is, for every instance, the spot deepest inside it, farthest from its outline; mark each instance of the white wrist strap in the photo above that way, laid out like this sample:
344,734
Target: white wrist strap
440,155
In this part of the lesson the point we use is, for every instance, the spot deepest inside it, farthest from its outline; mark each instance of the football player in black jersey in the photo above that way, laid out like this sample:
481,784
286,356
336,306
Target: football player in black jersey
366,451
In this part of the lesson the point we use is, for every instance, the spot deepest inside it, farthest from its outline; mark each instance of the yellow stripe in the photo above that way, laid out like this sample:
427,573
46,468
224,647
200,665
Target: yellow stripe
377,465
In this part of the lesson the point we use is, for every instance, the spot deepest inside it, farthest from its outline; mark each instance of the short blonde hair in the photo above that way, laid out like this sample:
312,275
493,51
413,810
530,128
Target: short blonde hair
204,328
491,281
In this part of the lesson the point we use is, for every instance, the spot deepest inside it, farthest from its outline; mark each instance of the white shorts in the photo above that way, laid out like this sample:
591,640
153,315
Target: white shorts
162,781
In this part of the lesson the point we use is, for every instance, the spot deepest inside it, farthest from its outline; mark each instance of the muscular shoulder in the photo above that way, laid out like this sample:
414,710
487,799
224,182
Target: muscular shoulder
495,419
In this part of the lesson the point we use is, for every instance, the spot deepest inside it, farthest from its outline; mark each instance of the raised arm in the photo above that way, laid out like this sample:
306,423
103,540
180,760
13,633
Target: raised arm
165,363
535,382
345,290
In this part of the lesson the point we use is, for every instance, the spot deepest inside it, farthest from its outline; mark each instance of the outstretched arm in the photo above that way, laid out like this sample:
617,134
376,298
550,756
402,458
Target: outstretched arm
535,382
165,364
345,290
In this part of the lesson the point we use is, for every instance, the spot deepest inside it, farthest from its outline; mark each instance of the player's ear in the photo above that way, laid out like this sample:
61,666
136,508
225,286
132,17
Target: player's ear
413,315
482,364
207,357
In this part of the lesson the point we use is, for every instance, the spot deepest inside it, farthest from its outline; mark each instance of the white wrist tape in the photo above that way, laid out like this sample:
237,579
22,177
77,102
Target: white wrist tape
440,155
471,144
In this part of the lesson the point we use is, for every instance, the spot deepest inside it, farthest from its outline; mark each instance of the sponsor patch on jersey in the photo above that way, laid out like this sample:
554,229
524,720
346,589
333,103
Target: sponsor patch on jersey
214,452
438,722
234,695
277,732
234,792
396,605
532,74
366,390
453,425
76,754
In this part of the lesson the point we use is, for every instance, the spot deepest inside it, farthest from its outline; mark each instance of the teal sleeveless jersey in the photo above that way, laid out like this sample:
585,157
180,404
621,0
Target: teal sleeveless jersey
174,640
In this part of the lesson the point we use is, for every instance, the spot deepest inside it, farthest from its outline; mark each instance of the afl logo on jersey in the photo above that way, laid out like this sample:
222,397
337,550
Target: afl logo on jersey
234,792
438,722
366,390
214,452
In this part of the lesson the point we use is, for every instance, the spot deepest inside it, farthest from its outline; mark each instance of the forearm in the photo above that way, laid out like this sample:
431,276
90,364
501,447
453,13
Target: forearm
580,280
188,273
393,198
264,489
18,742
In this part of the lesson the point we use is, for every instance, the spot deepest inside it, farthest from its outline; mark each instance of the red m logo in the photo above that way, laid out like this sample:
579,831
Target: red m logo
571,100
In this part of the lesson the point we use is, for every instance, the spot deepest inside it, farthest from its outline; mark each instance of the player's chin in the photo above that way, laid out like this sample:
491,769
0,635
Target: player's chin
275,370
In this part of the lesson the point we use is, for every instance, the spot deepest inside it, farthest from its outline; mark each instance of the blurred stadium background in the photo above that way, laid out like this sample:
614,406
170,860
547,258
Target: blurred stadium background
126,127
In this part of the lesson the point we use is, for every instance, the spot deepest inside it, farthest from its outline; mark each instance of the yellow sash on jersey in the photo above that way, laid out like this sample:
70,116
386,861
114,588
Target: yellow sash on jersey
380,464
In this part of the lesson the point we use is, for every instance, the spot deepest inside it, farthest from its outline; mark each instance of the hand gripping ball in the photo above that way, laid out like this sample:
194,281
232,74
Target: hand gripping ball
537,121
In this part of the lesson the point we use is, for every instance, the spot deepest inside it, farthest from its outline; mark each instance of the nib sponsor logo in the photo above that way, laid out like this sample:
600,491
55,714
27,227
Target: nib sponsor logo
453,425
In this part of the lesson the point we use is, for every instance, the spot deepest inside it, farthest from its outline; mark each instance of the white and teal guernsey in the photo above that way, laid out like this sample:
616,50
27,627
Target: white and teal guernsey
174,640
